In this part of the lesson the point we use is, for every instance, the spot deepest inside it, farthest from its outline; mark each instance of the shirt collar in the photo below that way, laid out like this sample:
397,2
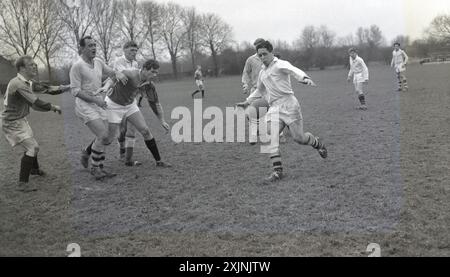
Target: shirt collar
275,59
125,59
22,78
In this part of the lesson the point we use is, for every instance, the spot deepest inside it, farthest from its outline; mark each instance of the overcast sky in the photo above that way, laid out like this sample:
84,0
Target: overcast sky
284,19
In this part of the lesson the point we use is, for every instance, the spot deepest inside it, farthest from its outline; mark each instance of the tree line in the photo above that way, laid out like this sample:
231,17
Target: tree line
318,47
50,30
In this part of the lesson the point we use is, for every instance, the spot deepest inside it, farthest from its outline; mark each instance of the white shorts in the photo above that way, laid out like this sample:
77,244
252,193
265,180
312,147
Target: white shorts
288,110
88,111
199,83
358,78
399,68
16,131
115,113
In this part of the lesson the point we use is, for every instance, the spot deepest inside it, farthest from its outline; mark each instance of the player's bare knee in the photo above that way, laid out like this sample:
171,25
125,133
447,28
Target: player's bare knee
146,134
36,149
300,138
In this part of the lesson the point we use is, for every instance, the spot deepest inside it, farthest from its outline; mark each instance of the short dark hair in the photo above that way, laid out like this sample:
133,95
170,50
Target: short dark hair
150,64
258,41
82,42
20,62
266,44
353,49
397,43
130,44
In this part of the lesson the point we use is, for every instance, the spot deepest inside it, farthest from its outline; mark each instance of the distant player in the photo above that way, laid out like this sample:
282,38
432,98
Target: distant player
18,99
399,62
86,82
359,74
121,104
198,77
274,81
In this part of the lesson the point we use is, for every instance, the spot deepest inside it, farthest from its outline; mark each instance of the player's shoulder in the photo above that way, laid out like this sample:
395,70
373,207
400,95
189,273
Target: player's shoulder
99,61
283,63
131,73
15,83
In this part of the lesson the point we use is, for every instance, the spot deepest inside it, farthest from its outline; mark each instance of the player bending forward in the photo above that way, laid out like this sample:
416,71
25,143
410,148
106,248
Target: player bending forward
19,97
360,75
121,104
399,61
274,81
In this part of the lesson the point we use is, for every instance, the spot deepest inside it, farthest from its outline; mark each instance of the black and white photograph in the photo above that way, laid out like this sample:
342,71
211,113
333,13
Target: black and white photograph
202,129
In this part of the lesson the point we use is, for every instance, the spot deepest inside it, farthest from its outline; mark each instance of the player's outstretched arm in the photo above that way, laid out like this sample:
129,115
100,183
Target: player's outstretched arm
159,112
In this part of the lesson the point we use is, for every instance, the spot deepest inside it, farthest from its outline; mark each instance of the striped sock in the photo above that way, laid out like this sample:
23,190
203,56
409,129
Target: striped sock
276,162
362,99
97,158
313,141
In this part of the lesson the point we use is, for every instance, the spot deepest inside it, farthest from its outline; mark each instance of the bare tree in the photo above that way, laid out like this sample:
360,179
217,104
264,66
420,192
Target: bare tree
362,36
403,40
440,28
105,15
132,21
172,32
51,27
326,37
191,21
78,18
309,39
216,35
151,12
19,28
346,41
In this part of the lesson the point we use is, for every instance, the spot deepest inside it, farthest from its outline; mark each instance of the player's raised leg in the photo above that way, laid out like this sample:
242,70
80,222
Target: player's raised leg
303,138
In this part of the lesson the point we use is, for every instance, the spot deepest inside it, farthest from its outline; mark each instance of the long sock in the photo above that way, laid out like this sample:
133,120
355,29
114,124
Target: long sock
121,140
26,165
203,93
362,99
253,129
151,145
313,141
140,100
35,163
97,158
88,149
129,154
276,162
102,160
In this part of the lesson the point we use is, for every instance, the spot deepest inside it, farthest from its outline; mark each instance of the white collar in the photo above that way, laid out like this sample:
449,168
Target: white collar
22,78
275,59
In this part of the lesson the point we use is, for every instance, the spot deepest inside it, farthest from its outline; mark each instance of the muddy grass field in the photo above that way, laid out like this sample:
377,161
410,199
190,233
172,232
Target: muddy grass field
386,180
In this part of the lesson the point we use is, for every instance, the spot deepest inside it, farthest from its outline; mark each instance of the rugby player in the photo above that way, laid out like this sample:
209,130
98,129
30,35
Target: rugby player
121,104
18,99
86,77
198,77
359,74
258,104
399,61
274,83
127,135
